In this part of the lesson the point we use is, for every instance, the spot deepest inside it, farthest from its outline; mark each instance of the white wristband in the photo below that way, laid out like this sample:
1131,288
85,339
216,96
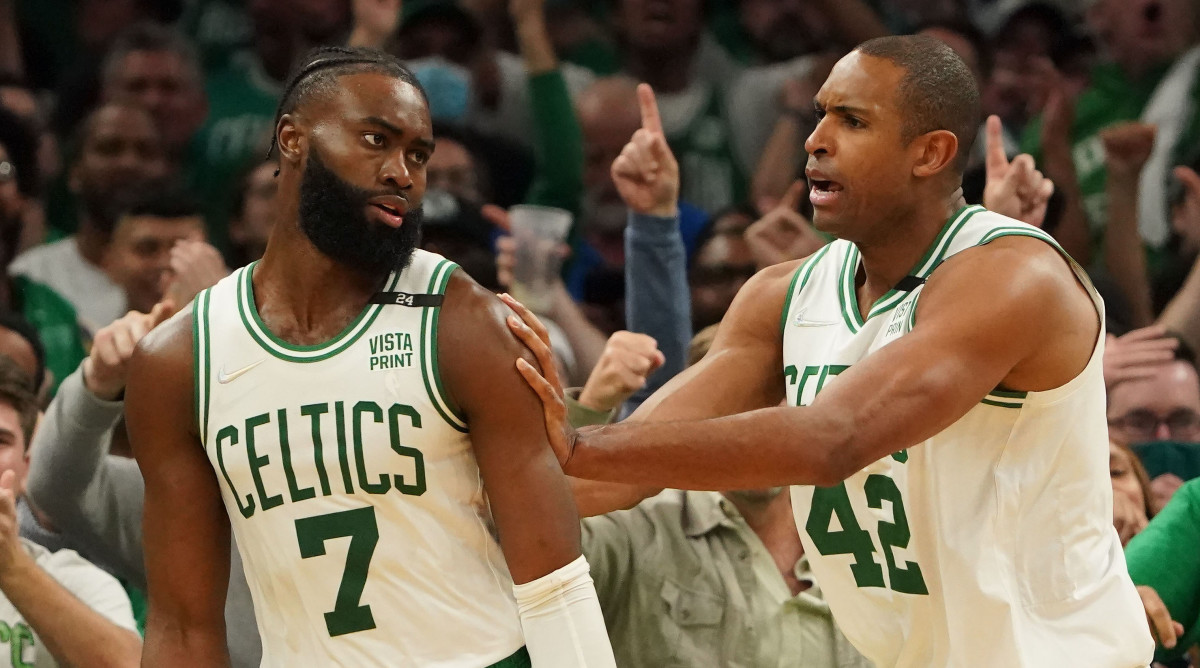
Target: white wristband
561,617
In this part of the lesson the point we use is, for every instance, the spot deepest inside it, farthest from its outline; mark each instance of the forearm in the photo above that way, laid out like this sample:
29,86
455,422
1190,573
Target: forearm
1181,316
73,633
779,165
174,645
659,302
10,39
1072,231
533,42
1123,252
585,340
558,143
752,450
71,443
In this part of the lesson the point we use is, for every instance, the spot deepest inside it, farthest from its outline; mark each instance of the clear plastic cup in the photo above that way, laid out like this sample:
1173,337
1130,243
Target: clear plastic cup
538,231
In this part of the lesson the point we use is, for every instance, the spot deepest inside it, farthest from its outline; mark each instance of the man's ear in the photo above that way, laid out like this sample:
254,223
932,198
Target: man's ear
935,151
291,141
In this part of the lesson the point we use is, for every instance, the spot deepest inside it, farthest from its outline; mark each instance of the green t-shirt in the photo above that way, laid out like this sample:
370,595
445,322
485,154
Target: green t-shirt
1112,98
1166,557
56,323
241,110
218,28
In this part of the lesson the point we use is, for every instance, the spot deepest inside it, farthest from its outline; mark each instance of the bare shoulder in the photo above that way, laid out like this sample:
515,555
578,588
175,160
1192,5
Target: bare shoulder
758,307
476,350
1016,298
1025,269
163,358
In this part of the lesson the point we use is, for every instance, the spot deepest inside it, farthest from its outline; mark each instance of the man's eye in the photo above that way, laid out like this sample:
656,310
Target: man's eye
420,157
819,114
853,122
374,138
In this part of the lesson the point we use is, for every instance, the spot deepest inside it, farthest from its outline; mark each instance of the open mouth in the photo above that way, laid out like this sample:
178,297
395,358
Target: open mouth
388,214
823,192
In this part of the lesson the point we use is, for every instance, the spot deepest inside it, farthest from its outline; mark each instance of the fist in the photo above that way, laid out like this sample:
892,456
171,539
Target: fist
628,359
104,370
195,266
1127,146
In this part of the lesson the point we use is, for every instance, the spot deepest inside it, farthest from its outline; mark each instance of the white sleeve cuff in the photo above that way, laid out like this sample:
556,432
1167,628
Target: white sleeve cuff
561,617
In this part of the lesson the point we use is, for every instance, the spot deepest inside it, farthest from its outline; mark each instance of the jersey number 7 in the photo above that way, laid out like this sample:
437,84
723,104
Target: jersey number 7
347,616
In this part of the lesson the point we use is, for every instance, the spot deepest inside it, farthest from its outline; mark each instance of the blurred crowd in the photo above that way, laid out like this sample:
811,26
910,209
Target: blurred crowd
134,172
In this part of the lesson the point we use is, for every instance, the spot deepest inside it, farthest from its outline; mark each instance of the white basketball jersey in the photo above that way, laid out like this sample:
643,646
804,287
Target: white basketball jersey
351,485
990,544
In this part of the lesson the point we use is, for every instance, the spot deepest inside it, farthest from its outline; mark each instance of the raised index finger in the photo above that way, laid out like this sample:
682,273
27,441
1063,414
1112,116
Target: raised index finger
996,159
649,107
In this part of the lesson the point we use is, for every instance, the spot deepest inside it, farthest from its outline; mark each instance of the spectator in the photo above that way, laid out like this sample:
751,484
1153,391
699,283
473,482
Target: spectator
158,68
1164,561
156,237
253,214
722,265
19,342
95,498
54,318
1131,492
1147,75
1164,405
59,608
119,151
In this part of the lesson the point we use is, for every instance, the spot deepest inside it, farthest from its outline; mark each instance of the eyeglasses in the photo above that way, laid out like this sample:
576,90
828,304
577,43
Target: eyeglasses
1142,425
8,171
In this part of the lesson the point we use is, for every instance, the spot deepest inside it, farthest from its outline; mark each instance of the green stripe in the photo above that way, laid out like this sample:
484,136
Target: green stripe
1001,404
806,269
1021,232
1008,394
207,364
846,292
934,256
518,659
429,352
437,372
912,313
282,349
197,367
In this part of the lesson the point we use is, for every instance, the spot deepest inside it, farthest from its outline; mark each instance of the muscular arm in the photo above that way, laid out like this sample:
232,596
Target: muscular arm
530,498
972,334
186,530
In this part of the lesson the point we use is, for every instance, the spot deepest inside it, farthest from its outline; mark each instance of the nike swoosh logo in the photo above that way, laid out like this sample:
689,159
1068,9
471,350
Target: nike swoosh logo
800,321
228,377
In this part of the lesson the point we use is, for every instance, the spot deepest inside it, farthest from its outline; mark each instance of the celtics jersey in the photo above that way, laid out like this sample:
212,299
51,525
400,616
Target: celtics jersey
351,485
989,544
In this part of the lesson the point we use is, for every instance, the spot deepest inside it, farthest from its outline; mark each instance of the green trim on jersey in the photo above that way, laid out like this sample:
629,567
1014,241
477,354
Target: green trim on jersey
1021,232
207,363
934,256
429,352
1005,398
518,659
806,269
248,310
200,378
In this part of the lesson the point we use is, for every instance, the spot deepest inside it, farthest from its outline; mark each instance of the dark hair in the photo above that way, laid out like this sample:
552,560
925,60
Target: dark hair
21,143
1064,38
163,199
978,41
15,391
938,91
16,323
150,36
709,230
321,67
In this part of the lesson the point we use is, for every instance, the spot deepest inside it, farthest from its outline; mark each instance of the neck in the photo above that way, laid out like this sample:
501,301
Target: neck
92,240
665,71
890,258
303,295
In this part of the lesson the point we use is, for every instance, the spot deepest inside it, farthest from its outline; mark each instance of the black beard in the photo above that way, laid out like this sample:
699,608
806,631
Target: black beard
333,217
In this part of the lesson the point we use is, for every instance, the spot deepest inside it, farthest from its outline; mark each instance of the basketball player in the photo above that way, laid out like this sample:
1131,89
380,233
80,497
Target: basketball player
343,404
944,428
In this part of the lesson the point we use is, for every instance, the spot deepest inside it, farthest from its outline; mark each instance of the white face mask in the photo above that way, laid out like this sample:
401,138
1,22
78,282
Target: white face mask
447,85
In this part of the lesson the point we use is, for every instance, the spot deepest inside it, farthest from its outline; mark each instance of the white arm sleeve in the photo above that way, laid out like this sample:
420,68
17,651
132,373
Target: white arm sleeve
561,617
